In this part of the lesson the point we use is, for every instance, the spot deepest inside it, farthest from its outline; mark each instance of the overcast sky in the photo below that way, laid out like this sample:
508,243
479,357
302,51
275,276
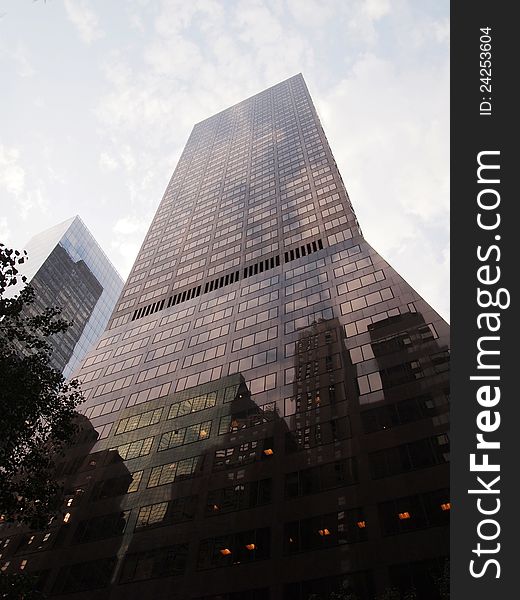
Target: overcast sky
98,98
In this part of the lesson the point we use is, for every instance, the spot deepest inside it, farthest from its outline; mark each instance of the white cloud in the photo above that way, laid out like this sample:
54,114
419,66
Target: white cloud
127,158
5,231
129,226
84,19
311,13
441,30
28,201
388,129
178,15
376,9
127,236
12,175
107,162
32,204
125,255
176,56
20,55
136,22
377,70
116,70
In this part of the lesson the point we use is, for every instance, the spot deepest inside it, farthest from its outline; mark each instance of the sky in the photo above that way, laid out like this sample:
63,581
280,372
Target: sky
98,98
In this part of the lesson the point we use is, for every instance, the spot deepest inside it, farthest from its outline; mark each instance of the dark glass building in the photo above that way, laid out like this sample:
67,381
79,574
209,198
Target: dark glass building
67,268
271,398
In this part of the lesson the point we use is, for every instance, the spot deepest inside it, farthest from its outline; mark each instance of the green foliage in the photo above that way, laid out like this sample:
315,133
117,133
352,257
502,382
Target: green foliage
340,595
442,581
390,594
19,586
343,596
38,404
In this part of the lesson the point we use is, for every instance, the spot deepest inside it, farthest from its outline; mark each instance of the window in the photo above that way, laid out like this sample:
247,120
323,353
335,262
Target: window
85,576
234,549
392,415
102,527
191,405
137,421
116,486
321,478
185,435
175,471
163,562
314,533
134,449
420,454
240,454
166,513
248,418
318,434
240,496
355,585
415,512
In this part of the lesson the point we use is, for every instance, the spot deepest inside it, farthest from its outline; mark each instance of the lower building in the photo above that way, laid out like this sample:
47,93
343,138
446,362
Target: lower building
66,267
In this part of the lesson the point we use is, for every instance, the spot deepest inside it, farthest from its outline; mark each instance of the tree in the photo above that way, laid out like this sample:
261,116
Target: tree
442,581
38,404
19,586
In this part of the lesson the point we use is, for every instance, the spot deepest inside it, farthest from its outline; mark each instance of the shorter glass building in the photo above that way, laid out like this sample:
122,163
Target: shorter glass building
67,268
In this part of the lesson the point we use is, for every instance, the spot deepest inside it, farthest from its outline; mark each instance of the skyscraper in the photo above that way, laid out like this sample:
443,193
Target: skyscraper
67,268
271,398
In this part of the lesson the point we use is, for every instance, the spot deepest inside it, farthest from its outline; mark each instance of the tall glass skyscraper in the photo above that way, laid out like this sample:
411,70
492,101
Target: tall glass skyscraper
271,398
67,268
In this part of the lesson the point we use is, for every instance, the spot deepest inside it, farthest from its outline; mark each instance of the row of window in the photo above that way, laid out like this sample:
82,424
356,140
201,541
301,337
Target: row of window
253,269
420,454
400,515
399,413
184,435
368,300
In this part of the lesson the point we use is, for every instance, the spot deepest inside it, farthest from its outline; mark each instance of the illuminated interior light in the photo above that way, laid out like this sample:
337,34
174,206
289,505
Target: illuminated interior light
446,506
216,507
404,515
66,518
225,551
250,546
268,451
323,532
361,524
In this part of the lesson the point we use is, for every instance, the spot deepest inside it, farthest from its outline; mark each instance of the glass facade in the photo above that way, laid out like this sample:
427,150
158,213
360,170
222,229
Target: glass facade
67,268
270,398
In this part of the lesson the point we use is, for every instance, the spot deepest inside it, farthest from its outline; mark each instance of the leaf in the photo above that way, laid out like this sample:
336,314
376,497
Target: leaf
40,421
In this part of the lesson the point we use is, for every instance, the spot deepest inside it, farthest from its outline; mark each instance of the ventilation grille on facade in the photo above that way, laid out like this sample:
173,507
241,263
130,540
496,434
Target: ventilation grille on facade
263,265
303,250
215,284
